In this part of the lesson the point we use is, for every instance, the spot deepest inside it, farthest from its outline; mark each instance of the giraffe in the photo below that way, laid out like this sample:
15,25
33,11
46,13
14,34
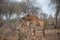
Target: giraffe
35,20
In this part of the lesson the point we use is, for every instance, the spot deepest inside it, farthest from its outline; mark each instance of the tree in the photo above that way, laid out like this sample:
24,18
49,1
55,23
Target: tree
43,16
57,11
32,8
57,3
4,7
8,7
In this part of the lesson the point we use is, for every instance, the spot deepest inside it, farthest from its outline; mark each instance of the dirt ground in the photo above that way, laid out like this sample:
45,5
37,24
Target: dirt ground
49,35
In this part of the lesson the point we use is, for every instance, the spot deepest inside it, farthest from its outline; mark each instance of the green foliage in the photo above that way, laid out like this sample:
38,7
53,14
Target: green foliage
12,20
46,23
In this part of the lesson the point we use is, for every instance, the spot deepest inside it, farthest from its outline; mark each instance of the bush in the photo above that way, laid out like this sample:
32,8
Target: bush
45,23
12,20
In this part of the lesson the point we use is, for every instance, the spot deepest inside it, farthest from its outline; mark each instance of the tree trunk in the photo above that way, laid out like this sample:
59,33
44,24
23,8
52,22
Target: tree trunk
1,21
56,17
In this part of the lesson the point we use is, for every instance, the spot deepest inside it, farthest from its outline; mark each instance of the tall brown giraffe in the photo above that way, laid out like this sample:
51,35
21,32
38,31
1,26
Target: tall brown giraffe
35,20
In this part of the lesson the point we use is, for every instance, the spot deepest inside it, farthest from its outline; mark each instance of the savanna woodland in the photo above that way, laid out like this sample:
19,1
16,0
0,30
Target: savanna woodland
29,19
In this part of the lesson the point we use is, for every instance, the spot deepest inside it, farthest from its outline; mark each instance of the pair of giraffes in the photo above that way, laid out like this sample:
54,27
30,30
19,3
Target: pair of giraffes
34,19
36,22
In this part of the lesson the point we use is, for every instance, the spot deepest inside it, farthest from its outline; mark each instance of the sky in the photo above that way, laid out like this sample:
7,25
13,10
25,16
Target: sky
45,6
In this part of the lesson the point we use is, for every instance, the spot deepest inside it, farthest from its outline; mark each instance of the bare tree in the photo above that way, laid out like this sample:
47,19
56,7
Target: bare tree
57,3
